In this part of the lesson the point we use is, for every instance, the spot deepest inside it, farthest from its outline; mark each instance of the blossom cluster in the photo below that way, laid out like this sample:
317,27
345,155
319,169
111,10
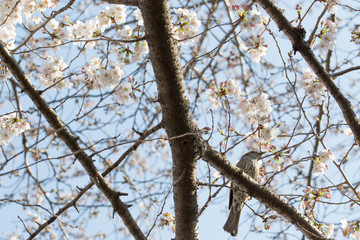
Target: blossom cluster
187,25
327,36
256,48
312,86
86,30
249,20
4,72
11,13
331,5
10,127
228,88
312,196
276,162
352,230
100,77
255,112
320,166
355,36
123,93
52,72
168,220
126,55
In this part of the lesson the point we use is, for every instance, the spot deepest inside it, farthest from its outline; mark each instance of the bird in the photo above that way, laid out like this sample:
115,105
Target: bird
238,196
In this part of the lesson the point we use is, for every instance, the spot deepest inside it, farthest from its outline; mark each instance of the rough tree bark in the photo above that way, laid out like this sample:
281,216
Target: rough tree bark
175,112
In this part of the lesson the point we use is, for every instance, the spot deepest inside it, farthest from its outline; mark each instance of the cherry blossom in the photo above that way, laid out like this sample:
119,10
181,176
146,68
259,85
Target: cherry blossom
328,229
124,93
4,72
138,17
348,132
320,166
312,86
327,37
256,48
351,230
213,98
52,72
256,112
355,35
10,127
101,77
187,25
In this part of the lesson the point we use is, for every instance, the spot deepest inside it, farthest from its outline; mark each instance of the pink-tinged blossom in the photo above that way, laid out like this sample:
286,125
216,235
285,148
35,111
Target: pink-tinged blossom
332,6
256,48
312,86
36,19
276,165
138,17
326,155
117,11
126,54
348,132
141,49
104,21
256,112
319,168
84,30
233,88
101,77
270,133
10,127
327,37
217,174
53,24
250,19
213,98
52,72
320,165
65,33
355,36
253,20
328,229
187,25
11,15
123,94
351,230
4,72
288,160
7,28
125,32
42,5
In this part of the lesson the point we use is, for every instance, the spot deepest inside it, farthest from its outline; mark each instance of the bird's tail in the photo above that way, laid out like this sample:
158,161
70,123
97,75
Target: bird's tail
232,223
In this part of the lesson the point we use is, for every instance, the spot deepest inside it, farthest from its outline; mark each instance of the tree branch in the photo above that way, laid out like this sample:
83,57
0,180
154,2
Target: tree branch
52,16
91,184
71,141
124,2
302,46
163,51
261,193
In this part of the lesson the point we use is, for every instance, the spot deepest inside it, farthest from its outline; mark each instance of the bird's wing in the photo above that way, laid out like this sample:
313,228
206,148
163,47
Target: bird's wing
231,197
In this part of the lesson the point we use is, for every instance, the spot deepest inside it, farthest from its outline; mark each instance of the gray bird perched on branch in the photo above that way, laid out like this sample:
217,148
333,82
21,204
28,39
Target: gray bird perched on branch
238,196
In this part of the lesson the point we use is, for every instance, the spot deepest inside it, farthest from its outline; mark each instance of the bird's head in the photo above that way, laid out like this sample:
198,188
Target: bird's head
255,154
